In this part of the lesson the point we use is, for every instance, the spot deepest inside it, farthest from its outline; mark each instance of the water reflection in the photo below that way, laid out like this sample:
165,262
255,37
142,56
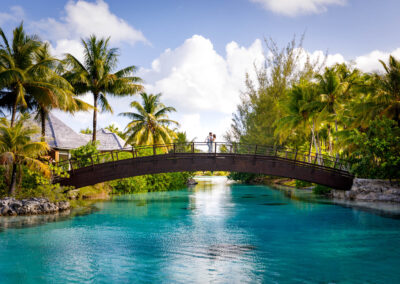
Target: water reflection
208,233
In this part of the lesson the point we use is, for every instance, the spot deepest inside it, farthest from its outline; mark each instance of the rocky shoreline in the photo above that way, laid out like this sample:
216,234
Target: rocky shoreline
32,206
370,190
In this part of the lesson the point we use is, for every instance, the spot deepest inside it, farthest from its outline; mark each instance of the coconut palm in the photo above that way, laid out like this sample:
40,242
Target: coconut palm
95,75
150,122
387,97
64,99
17,149
26,77
301,107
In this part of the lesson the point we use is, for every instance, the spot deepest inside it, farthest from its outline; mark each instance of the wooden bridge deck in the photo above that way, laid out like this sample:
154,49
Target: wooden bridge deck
320,169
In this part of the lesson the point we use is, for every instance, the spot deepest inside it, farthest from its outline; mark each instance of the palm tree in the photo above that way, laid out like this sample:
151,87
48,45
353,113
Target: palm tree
64,99
17,149
150,122
331,89
301,109
387,97
26,77
95,75
114,129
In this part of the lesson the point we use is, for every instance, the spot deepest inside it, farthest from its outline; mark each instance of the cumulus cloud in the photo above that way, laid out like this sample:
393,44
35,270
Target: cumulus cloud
298,7
83,19
194,77
370,62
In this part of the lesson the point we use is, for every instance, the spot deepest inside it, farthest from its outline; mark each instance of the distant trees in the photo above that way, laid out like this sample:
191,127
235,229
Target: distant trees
336,110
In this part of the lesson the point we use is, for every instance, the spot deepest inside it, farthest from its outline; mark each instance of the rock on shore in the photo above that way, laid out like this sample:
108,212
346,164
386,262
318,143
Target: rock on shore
32,206
370,190
191,182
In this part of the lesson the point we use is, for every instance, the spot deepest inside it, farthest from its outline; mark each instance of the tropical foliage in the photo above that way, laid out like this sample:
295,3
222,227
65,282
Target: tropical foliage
336,110
17,150
33,81
95,75
30,78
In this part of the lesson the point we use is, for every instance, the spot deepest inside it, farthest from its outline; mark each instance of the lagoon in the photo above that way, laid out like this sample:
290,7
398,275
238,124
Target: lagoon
213,232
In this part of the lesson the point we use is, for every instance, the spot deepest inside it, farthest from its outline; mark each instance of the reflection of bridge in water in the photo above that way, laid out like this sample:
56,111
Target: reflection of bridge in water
196,156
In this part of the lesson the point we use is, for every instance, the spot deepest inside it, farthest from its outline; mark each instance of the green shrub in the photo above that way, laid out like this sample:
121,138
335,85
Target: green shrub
83,153
54,192
302,183
321,190
376,153
156,182
243,177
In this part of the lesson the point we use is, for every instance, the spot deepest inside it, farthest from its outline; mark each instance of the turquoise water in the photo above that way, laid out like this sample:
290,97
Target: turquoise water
211,233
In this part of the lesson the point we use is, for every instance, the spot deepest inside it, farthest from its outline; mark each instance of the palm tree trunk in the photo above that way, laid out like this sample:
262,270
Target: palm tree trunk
13,113
43,123
336,129
314,139
13,183
329,138
95,96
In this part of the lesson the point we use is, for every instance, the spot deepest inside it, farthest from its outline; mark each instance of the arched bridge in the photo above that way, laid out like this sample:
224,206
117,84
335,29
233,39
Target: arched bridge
198,156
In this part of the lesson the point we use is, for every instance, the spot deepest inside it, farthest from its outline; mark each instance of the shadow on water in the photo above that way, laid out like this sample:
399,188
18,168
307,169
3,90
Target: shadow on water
20,222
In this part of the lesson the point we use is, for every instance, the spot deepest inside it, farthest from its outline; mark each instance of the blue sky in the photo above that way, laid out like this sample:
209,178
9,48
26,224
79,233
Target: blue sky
197,52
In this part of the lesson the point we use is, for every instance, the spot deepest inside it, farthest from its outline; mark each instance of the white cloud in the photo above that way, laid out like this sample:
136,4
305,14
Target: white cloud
198,125
202,84
16,14
298,7
195,77
83,19
370,62
63,46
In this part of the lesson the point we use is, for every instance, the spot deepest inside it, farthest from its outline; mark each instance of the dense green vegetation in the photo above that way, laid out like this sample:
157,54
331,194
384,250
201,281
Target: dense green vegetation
294,102
34,82
336,110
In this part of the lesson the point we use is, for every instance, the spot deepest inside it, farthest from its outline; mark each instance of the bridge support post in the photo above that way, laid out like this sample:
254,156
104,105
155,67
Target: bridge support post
154,150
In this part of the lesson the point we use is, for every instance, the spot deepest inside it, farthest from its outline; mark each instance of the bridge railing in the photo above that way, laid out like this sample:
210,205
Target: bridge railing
315,159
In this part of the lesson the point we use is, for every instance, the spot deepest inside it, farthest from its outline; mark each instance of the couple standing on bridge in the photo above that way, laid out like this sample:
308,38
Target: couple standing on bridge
210,141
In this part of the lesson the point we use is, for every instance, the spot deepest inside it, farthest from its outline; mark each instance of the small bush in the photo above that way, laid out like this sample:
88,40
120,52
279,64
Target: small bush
243,177
321,190
302,183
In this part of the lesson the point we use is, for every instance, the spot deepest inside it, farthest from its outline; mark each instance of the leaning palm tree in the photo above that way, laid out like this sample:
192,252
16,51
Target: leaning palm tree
25,77
64,99
95,75
150,122
17,149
